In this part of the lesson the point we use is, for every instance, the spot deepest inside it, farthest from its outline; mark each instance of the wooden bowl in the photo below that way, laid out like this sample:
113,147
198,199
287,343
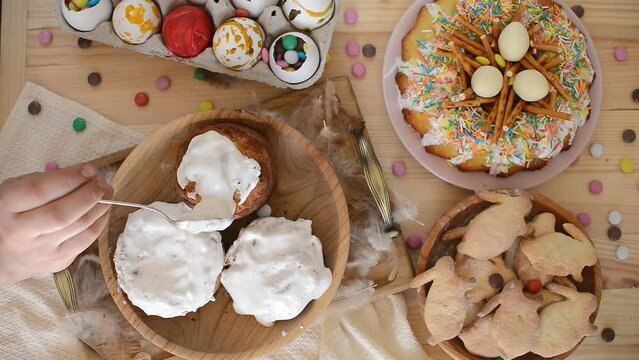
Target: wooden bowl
460,215
306,187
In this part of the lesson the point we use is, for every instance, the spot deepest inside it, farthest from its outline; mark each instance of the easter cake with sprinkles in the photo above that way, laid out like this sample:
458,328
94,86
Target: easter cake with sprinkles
495,86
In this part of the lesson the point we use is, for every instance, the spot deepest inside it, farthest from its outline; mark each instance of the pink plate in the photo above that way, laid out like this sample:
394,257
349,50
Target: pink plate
472,180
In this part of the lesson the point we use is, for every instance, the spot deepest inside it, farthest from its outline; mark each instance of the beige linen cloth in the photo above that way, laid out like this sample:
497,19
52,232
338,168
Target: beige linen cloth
32,309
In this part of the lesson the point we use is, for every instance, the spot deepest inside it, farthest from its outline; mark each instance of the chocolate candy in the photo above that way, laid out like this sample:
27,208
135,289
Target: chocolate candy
141,99
621,53
34,108
496,281
635,95
94,79
414,242
206,105
84,43
79,124
614,233
358,70
291,57
578,10
369,51
622,253
264,55
596,150
51,166
629,136
607,335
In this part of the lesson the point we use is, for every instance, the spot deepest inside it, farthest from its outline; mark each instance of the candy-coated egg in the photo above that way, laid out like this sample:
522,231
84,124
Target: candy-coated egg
238,43
514,41
306,65
531,85
187,31
135,21
254,7
487,81
87,19
308,14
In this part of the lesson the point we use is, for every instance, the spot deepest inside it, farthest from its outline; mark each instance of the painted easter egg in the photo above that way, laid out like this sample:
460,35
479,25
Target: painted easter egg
135,21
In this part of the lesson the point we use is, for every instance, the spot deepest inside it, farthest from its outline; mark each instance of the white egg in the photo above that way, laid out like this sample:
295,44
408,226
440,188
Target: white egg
487,81
254,7
531,85
309,66
199,2
238,43
89,18
135,21
514,41
308,14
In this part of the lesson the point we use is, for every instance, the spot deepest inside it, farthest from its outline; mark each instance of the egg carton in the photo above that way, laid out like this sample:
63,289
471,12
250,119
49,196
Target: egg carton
272,20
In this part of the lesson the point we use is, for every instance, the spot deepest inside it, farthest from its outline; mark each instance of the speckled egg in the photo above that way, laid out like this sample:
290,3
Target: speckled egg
254,7
308,14
88,18
135,21
238,42
300,67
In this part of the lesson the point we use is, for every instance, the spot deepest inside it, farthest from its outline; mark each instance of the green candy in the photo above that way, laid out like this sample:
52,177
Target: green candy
201,74
79,124
289,42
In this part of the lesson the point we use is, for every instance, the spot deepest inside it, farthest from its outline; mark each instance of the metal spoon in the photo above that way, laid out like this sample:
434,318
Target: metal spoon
187,225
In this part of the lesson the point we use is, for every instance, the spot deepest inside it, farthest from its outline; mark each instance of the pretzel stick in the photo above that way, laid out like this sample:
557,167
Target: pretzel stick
544,104
469,26
471,103
491,117
513,70
473,62
496,30
545,47
499,120
552,113
532,62
453,234
462,44
463,78
520,10
465,95
461,59
489,50
542,58
509,104
467,40
552,63
535,29
553,98
515,111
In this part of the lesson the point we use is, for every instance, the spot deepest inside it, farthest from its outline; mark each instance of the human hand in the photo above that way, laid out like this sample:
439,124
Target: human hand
47,219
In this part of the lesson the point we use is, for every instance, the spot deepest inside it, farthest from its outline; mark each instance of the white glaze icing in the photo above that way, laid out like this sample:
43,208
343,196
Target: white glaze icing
166,271
276,269
218,169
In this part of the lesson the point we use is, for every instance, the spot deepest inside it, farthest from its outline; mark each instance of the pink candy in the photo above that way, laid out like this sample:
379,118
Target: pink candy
414,241
163,83
358,70
584,219
45,37
399,168
595,187
265,55
281,63
352,48
621,54
350,16
51,166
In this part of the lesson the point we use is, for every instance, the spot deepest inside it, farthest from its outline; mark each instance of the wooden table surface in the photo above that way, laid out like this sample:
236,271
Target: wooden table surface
63,68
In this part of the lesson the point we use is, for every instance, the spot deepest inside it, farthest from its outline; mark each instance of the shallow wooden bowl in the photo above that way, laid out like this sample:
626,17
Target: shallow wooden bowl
306,187
460,215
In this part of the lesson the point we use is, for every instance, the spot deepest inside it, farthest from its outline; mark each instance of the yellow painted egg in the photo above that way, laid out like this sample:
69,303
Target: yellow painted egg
308,14
254,7
238,43
135,21
531,85
514,41
487,81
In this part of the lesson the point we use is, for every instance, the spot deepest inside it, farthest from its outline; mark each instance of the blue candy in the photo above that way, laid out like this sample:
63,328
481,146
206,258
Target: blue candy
93,3
302,55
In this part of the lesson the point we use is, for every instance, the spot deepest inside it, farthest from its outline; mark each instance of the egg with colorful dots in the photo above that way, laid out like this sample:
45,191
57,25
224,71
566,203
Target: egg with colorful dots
308,14
254,7
84,15
294,57
135,21
238,42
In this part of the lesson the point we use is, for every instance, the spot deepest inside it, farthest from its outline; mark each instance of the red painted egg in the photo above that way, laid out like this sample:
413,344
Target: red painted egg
187,31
